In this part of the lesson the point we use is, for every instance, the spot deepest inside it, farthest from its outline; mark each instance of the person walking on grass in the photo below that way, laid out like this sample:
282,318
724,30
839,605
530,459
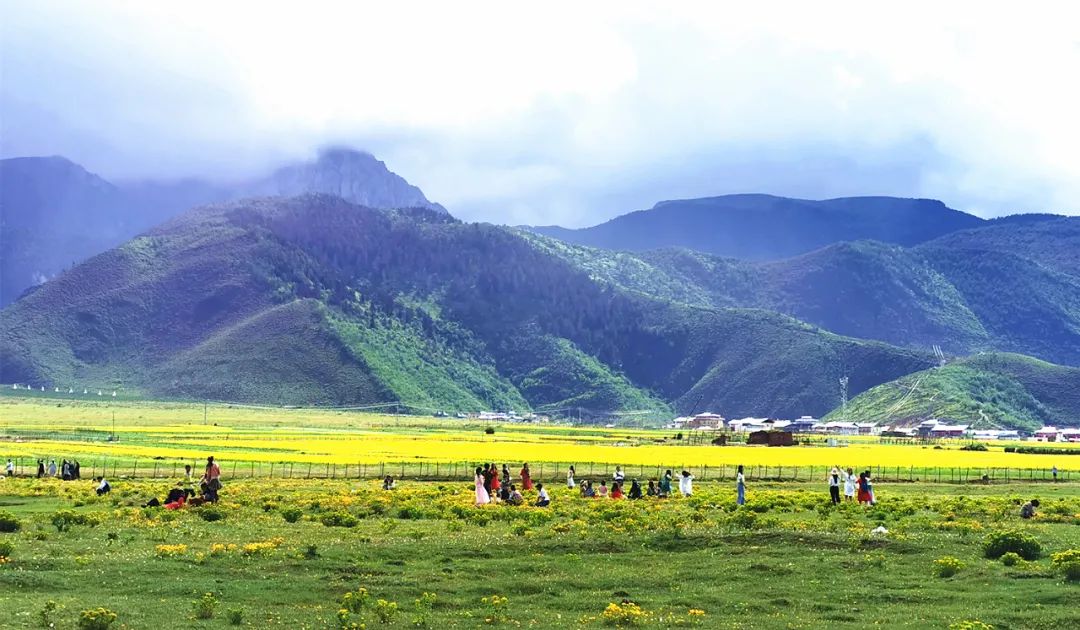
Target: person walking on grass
850,484
526,477
834,485
482,496
740,486
570,478
686,483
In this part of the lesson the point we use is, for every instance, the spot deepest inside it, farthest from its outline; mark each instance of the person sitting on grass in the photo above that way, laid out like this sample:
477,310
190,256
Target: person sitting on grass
587,490
651,490
543,500
603,491
635,490
1028,509
514,498
103,487
388,483
664,490
616,490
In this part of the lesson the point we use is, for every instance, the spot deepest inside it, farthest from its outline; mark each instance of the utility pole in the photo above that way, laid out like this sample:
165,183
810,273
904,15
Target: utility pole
204,413
843,397
114,425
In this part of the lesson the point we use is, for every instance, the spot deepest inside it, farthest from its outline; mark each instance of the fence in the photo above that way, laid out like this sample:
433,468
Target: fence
548,472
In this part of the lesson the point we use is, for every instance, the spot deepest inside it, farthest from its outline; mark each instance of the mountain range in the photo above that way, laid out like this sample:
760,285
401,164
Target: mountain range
313,298
54,213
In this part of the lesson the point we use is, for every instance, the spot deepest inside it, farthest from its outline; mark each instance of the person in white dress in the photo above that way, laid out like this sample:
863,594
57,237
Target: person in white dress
570,478
482,497
686,483
849,485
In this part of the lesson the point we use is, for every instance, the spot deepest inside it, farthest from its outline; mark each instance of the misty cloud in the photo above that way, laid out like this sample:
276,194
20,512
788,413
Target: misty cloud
571,114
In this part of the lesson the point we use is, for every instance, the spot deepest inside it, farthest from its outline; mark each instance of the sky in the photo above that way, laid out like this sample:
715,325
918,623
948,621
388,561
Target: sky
564,113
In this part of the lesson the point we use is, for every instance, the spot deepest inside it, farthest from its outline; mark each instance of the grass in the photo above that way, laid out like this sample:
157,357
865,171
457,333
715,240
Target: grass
556,568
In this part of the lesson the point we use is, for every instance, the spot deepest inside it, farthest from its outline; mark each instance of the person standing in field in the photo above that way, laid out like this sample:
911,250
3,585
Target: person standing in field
740,486
686,483
526,477
870,488
52,467
482,496
1054,471
40,468
864,489
10,468
505,476
849,485
211,480
570,478
618,477
494,480
834,485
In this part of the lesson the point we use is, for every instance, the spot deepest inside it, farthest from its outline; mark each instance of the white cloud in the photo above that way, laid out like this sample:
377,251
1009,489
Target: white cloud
573,112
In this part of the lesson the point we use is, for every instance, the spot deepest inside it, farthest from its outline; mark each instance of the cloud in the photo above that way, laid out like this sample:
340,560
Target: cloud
567,112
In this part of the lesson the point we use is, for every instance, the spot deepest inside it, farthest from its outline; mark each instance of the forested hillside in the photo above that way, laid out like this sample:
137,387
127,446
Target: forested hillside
314,299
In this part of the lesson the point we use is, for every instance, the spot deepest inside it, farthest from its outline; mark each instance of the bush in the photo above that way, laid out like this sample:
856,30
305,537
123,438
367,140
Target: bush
205,606
235,616
292,514
8,523
96,619
1000,543
211,514
490,430
974,447
62,520
1010,559
1068,563
6,549
340,518
947,566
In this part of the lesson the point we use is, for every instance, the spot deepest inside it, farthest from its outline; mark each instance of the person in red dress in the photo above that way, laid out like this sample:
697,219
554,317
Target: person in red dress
864,489
526,478
495,483
616,491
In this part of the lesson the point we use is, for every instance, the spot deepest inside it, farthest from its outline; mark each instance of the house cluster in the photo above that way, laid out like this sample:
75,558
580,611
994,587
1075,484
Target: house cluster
504,416
1053,434
802,424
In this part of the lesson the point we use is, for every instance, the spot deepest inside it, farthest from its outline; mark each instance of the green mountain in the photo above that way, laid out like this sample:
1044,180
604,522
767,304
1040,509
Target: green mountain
313,299
988,390
964,300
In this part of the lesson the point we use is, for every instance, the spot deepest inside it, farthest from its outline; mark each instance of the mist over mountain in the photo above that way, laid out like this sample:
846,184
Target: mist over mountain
54,213
765,227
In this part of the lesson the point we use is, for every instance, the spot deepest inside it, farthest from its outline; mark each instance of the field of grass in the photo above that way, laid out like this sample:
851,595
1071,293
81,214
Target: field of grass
286,553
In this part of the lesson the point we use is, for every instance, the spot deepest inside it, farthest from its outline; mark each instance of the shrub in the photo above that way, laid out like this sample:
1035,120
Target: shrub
340,518
235,616
62,520
211,514
6,549
8,523
947,566
96,619
1001,543
205,606
625,614
490,430
46,614
1068,562
1010,559
386,611
292,514
974,447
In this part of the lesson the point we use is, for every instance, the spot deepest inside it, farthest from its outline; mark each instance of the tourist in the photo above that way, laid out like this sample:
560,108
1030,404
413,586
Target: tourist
570,478
388,483
494,480
543,500
618,476
665,486
103,486
870,488
603,491
506,478
75,471
1054,471
740,486
65,470
10,468
864,489
514,497
849,485
488,475
40,468
686,483
616,490
526,478
52,467
635,490
211,481
482,496
651,490
834,485
587,491
189,482
1028,509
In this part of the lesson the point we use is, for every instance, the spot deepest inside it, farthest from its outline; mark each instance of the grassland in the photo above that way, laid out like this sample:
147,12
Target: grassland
285,553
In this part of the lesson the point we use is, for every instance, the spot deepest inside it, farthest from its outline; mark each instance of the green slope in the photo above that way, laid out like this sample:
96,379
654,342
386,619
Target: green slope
988,391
